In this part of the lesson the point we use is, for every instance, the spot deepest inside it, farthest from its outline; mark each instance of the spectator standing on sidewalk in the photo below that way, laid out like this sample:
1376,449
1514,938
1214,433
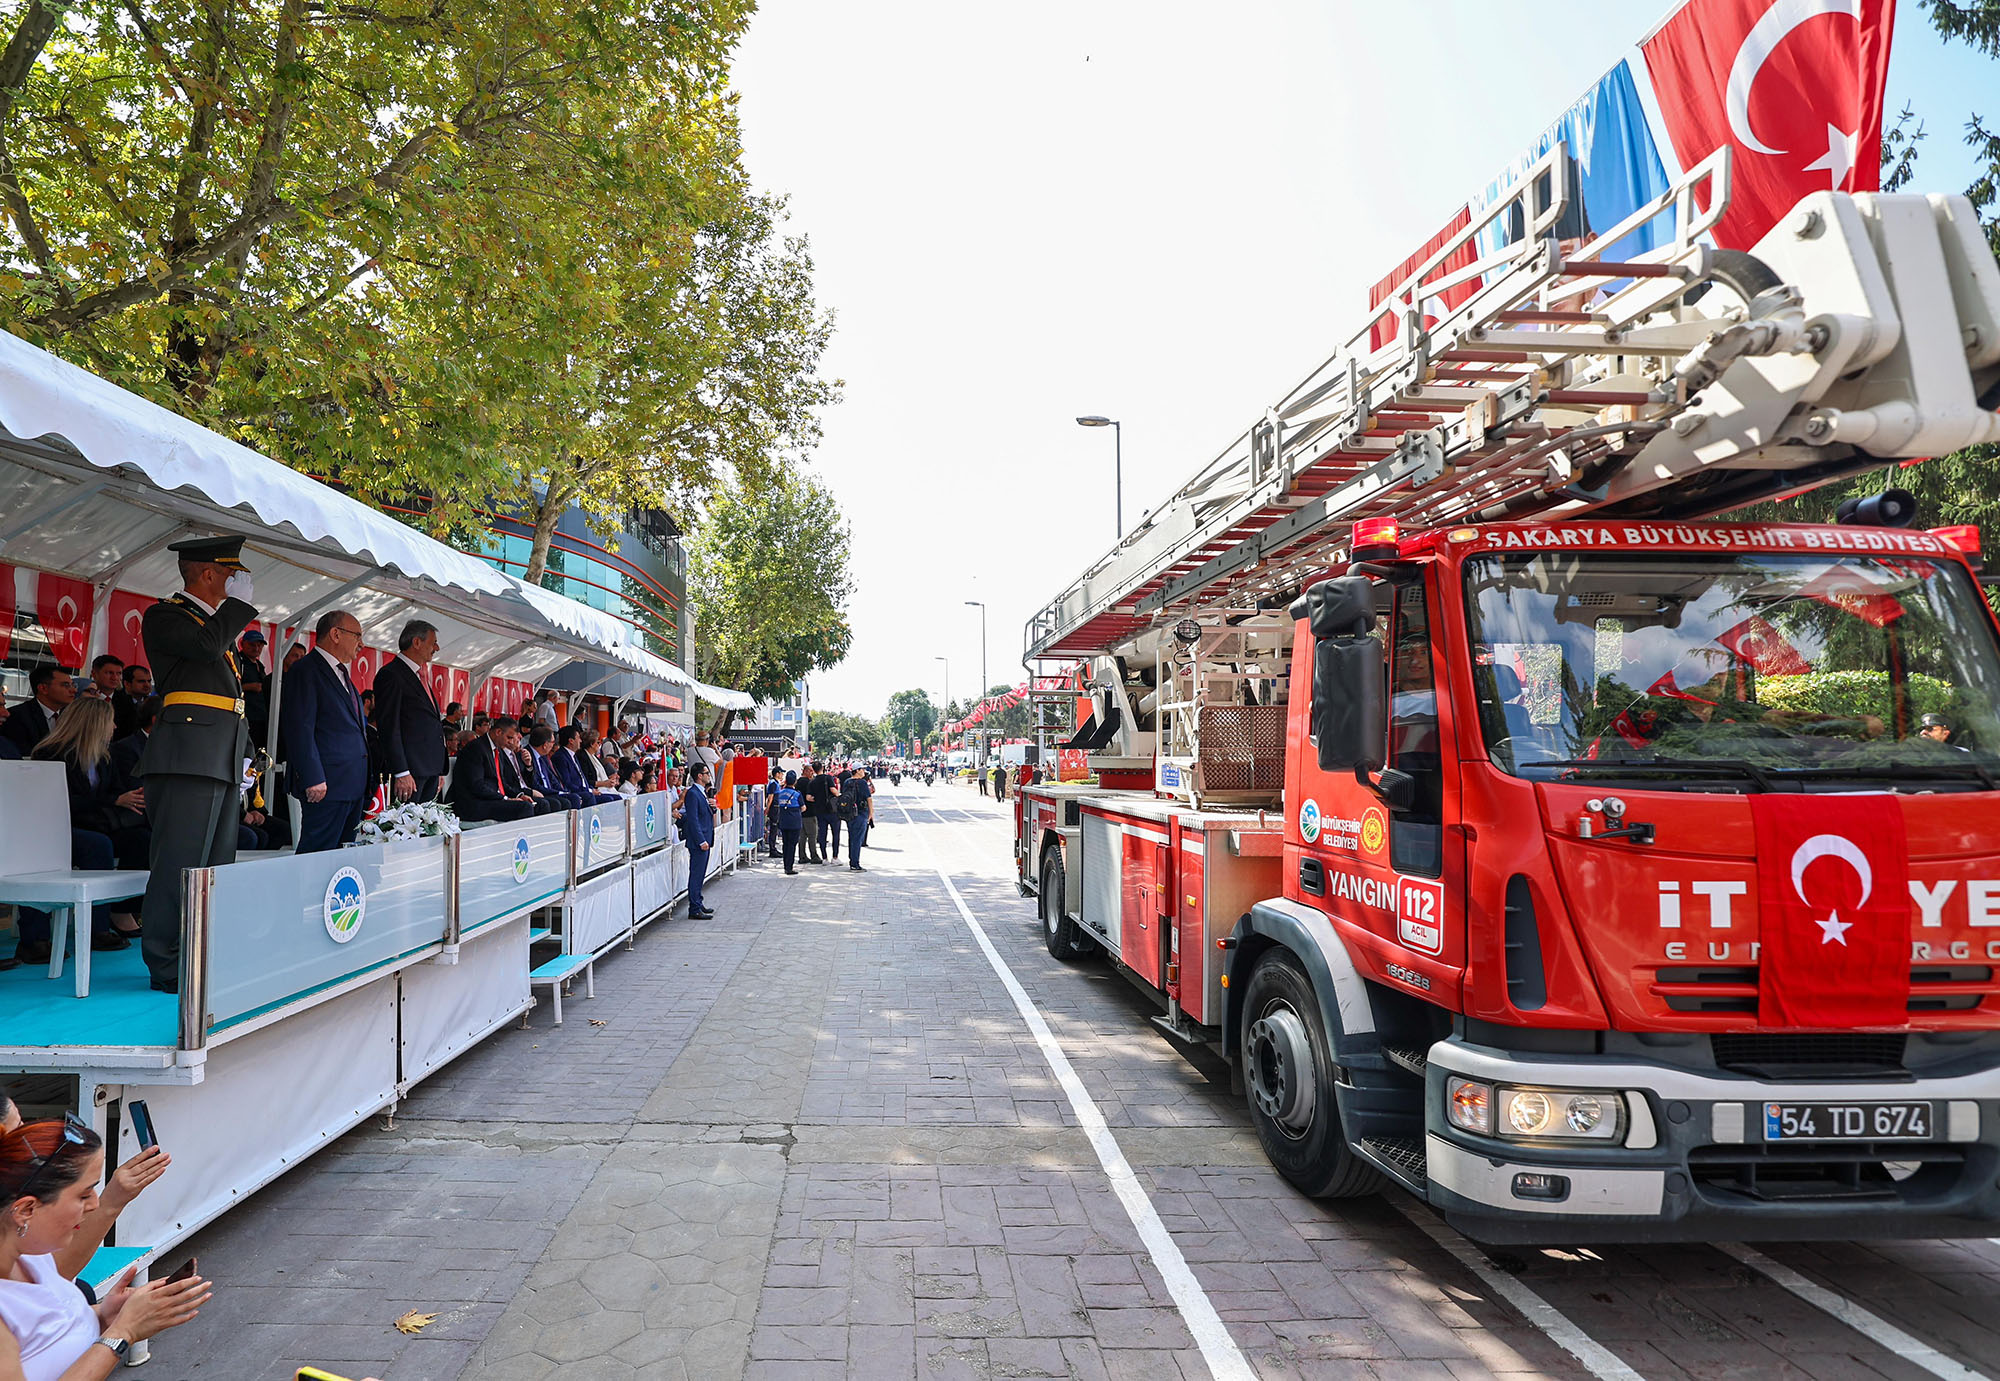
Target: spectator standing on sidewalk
999,780
819,809
979,775
789,815
858,798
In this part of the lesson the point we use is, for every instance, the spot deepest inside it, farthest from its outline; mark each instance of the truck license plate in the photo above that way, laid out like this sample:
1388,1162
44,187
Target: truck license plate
1848,1122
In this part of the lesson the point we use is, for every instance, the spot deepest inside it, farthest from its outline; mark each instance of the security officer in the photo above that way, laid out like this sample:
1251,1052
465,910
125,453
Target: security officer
193,764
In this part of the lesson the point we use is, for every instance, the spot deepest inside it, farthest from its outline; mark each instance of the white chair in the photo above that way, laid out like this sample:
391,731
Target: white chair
34,832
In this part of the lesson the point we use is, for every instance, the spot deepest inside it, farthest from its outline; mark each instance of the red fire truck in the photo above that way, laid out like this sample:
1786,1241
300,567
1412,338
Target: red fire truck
1591,869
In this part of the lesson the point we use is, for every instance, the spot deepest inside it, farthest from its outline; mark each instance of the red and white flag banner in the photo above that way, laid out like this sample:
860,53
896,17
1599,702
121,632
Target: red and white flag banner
1794,87
1833,911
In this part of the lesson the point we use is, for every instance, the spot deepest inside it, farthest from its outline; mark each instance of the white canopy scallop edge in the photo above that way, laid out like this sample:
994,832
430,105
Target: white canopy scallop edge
95,481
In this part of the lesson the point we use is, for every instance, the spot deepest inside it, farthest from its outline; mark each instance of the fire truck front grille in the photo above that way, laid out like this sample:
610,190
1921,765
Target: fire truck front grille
1864,1170
1242,748
1723,988
1808,1054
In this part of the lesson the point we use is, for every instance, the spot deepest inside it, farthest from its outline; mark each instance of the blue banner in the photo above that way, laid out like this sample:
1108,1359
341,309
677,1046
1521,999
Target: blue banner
1613,169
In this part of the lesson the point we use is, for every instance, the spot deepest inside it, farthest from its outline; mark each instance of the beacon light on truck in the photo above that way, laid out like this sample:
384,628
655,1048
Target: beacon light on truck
1533,1114
1374,539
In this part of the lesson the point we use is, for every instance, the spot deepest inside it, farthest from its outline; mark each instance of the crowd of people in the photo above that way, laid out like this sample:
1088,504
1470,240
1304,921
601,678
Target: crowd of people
168,765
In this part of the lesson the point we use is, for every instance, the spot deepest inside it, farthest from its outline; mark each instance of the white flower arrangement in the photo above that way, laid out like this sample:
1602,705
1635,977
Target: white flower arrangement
412,820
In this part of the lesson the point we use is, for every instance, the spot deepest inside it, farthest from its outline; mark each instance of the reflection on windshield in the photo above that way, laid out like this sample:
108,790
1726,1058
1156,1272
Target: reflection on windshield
1786,663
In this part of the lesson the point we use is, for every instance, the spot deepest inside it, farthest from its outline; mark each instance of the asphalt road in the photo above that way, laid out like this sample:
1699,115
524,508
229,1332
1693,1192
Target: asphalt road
862,1125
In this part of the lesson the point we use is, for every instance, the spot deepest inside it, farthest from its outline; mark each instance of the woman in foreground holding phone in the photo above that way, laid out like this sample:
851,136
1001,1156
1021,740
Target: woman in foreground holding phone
48,1188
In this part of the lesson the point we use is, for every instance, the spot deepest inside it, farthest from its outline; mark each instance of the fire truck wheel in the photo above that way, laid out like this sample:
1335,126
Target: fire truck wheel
1288,1079
1059,932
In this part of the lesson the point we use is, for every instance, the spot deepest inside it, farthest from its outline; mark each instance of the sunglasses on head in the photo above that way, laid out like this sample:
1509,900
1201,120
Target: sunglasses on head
76,1132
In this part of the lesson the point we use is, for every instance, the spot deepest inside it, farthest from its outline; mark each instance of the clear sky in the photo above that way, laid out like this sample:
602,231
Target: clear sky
1157,211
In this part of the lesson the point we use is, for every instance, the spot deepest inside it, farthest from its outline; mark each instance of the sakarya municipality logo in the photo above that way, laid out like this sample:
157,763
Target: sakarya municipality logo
346,902
521,859
652,821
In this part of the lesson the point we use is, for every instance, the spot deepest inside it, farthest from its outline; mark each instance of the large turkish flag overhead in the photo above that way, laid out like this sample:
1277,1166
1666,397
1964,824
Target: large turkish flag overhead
1793,86
1833,911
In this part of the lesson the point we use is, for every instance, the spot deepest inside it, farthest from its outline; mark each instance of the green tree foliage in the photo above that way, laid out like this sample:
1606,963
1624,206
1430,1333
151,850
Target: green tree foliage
832,730
911,715
454,254
769,581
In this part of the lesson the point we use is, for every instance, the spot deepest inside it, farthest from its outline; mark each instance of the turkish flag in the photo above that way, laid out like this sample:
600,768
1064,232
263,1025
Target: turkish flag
6,609
62,608
124,638
1764,647
1794,87
1833,911
1413,296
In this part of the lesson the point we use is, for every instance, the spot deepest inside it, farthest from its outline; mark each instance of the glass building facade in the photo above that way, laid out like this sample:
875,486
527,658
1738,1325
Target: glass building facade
639,576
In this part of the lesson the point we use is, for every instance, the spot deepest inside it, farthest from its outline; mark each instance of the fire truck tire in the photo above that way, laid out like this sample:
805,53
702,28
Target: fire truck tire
1059,932
1288,1079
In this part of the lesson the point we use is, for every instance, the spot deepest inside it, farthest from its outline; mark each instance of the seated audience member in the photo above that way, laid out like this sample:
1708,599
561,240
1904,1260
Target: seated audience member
48,1331
50,692
9,750
135,690
126,747
107,674
127,1182
541,764
572,775
628,778
107,823
486,780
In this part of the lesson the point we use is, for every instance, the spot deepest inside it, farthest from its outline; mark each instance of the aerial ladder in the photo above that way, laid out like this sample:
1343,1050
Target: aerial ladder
1540,380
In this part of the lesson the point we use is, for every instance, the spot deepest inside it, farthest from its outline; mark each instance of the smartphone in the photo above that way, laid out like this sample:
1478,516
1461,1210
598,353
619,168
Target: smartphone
315,1374
142,1123
186,1271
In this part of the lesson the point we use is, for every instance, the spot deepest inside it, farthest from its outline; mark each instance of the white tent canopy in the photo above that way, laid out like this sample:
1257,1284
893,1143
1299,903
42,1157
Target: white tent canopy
96,481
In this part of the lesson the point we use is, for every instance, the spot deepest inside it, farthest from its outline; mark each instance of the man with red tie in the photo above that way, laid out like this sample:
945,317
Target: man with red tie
486,782
325,734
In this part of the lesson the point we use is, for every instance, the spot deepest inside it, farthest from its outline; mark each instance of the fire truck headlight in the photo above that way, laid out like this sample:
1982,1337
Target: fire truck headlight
1469,1105
1560,1114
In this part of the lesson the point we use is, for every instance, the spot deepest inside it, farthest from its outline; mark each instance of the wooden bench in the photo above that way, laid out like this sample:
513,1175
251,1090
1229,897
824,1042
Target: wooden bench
556,974
34,833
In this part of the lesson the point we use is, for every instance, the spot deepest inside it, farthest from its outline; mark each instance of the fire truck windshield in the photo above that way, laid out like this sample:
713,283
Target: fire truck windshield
1735,671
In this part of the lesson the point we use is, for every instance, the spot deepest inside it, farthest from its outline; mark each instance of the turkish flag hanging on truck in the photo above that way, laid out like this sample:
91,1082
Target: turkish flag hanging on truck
1833,911
1794,87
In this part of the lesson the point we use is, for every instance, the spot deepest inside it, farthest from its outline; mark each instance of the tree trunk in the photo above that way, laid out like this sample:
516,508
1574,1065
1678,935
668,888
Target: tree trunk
547,512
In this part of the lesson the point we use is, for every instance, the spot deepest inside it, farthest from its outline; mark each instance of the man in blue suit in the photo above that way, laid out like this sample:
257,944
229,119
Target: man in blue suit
698,824
569,772
541,754
326,737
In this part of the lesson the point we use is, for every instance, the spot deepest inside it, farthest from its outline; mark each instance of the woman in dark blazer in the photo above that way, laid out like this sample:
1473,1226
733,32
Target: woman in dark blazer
101,799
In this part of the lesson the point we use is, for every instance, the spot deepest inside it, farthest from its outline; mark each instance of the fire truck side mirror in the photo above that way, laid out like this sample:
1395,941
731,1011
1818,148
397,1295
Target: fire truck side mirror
1349,724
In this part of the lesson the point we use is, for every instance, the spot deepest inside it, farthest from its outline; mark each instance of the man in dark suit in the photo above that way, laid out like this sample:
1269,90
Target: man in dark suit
192,766
128,749
541,749
50,691
484,782
135,688
412,731
569,772
698,824
325,736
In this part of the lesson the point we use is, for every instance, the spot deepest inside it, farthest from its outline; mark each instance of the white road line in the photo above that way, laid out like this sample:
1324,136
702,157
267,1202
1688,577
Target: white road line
1225,1360
1601,1361
1870,1325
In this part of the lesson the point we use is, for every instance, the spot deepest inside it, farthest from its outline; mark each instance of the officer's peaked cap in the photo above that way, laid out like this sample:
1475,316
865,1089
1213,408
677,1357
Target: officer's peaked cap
221,551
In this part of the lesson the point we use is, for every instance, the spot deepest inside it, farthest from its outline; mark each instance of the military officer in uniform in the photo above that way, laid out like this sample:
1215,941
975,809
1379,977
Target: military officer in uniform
192,766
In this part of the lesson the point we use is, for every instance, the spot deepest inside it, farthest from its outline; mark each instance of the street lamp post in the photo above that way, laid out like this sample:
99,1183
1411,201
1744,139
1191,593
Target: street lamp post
970,603
1118,465
947,683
